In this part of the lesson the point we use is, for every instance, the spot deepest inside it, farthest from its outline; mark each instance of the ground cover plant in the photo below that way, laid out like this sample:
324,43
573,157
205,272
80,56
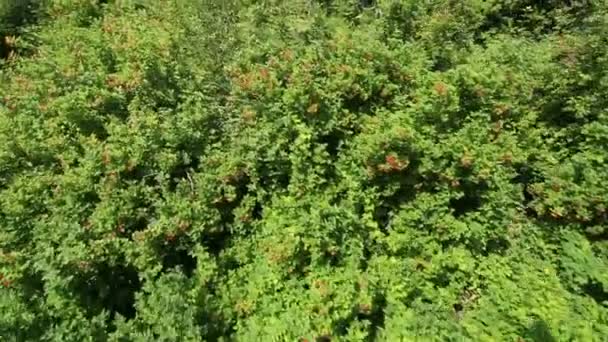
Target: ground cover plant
329,170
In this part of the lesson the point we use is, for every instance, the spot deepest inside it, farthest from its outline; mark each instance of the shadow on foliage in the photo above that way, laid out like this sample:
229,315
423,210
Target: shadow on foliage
175,255
539,332
364,312
406,191
14,16
108,287
218,240
540,17
596,291
471,199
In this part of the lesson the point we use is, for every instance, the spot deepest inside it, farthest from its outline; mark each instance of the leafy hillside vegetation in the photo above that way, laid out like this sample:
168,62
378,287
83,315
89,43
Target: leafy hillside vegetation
336,170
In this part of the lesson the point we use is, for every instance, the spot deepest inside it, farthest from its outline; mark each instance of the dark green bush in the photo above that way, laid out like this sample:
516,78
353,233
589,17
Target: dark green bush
304,171
15,17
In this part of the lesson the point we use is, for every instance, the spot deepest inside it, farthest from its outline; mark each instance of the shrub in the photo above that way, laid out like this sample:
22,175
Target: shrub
305,170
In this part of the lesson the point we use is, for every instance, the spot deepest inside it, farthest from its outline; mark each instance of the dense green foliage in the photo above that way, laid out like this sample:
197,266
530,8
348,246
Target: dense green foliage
336,170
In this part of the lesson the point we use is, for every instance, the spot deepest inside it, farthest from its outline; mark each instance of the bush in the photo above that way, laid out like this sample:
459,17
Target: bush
15,16
305,170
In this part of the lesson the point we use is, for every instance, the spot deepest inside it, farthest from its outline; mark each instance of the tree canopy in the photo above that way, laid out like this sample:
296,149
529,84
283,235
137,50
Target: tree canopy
304,170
